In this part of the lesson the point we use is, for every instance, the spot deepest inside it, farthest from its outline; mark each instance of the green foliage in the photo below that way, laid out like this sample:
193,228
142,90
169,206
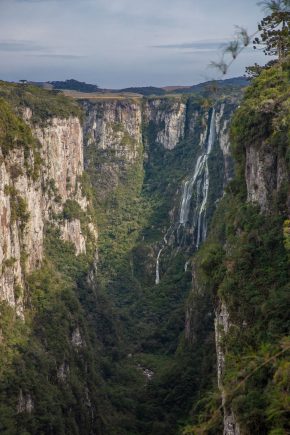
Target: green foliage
207,416
72,210
263,118
38,358
274,32
19,212
255,119
15,134
255,70
9,262
245,264
286,231
43,103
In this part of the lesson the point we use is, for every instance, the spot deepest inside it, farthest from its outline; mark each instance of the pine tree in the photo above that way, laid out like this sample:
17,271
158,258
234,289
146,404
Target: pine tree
275,30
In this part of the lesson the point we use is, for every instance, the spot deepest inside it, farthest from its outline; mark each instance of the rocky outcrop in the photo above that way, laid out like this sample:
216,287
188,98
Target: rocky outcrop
168,116
76,338
63,372
62,154
115,126
28,202
113,131
265,173
113,139
25,403
223,115
72,232
222,325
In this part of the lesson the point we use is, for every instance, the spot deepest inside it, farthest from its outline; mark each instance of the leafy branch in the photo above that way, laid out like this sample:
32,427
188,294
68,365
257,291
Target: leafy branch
274,36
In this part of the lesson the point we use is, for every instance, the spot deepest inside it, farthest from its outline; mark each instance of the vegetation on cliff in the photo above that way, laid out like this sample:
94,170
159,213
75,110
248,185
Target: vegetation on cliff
43,103
50,375
15,134
79,363
245,265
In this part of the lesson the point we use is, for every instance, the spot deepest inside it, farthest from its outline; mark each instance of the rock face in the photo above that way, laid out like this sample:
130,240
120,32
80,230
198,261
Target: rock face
25,403
113,139
76,338
223,115
231,426
116,135
265,173
28,203
169,117
119,133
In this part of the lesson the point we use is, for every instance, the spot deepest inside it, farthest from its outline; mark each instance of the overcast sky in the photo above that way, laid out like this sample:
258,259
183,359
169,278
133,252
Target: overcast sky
119,43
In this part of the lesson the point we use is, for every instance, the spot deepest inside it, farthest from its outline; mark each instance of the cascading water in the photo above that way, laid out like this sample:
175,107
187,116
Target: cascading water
165,242
157,279
199,186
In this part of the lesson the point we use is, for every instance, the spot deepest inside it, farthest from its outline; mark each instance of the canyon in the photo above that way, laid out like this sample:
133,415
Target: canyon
120,226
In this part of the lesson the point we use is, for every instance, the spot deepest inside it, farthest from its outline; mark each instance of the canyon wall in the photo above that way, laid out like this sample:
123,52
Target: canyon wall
30,201
244,264
48,256
122,136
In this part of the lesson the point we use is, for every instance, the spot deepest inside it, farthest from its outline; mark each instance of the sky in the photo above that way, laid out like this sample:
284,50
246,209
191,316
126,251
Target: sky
121,43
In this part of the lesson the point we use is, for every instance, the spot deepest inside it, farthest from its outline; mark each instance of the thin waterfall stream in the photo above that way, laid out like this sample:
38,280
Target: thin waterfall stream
165,243
157,279
197,185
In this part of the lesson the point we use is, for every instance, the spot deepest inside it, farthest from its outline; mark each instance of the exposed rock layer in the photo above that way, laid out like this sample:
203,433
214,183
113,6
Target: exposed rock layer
22,243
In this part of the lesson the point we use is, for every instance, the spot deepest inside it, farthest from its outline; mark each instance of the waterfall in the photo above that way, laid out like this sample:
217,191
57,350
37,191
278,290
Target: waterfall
198,185
165,243
157,279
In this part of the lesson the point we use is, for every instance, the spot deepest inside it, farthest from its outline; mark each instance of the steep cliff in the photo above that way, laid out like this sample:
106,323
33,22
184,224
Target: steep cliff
47,249
113,140
33,195
245,267
168,117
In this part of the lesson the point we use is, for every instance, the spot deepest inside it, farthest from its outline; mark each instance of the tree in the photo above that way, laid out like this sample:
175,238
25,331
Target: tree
274,38
275,29
256,69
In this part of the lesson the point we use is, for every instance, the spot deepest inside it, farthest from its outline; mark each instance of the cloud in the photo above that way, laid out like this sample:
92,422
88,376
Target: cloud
43,1
20,45
50,1
44,39
32,49
195,46
57,56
